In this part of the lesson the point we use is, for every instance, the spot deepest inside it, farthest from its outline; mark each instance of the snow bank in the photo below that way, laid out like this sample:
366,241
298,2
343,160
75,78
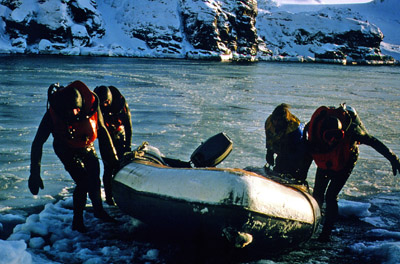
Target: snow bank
50,233
14,252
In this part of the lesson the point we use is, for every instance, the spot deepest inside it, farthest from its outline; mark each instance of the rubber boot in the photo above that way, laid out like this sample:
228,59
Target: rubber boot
79,202
325,235
77,223
107,178
103,215
99,211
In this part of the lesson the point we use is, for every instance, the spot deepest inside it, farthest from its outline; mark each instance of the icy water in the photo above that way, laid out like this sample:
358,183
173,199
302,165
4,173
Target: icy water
177,104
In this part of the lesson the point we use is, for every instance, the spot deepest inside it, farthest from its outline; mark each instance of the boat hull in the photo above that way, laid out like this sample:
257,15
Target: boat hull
230,206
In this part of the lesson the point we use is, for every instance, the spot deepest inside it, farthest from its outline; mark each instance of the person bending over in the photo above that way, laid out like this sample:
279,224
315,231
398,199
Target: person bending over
75,120
117,118
333,136
284,137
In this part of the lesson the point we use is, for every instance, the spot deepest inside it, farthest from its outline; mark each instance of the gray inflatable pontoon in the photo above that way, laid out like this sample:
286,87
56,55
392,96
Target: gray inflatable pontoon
236,206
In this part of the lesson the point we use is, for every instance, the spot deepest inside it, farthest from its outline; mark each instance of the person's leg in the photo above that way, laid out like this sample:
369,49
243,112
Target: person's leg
107,178
303,165
74,165
338,180
92,166
94,185
320,184
119,144
331,214
79,202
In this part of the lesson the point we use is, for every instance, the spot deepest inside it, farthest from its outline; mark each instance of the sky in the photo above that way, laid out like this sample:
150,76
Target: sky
322,1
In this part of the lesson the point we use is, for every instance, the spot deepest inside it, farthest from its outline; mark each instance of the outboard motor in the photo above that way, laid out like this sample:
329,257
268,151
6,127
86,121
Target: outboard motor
209,154
212,152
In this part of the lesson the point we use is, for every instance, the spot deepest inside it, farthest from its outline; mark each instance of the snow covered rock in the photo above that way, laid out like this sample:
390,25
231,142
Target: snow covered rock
79,35
157,23
197,29
329,35
14,252
224,27
59,22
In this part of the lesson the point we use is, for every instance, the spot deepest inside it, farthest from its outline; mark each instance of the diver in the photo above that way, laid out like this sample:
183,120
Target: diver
117,118
284,137
74,119
333,136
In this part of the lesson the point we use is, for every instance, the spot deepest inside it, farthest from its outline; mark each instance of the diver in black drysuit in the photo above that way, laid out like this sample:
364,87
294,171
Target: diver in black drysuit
284,137
117,119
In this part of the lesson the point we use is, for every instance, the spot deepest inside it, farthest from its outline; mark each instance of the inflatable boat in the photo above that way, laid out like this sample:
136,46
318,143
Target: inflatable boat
233,206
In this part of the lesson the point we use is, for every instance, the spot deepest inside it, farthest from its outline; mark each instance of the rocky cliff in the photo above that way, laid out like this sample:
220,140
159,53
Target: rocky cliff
196,29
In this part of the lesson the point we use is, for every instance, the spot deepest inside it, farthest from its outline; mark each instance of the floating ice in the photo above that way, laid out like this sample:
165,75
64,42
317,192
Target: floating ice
351,208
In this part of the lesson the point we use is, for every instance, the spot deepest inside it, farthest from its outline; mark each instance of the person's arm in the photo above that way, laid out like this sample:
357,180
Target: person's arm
380,148
360,134
107,150
127,122
35,181
269,157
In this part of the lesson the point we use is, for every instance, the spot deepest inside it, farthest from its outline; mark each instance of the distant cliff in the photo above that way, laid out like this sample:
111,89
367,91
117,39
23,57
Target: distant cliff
195,29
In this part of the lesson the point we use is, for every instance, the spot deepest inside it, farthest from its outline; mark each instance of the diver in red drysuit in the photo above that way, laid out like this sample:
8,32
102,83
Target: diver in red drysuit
74,119
333,138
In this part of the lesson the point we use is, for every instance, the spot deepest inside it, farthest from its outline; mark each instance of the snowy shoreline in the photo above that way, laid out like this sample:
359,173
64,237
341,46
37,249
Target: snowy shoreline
222,59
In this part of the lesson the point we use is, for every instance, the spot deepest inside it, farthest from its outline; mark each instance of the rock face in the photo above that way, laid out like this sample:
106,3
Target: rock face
144,20
62,23
330,35
224,29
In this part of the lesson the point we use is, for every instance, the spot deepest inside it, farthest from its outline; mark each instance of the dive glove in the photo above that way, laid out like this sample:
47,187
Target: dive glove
270,157
34,183
395,165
